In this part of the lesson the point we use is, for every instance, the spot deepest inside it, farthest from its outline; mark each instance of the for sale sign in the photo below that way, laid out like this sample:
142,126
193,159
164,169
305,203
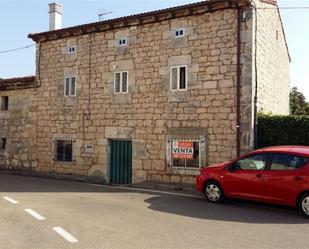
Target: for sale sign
183,150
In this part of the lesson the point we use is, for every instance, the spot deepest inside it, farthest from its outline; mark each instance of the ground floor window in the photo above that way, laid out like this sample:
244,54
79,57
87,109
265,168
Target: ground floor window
185,153
3,144
63,150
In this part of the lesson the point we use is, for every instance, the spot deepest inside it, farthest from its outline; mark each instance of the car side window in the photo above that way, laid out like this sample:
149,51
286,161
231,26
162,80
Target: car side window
287,162
253,162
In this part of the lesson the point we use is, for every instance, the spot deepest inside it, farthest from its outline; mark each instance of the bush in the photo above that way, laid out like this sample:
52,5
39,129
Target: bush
282,130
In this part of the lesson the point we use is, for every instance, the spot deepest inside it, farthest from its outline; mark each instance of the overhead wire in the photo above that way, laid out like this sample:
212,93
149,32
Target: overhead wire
16,49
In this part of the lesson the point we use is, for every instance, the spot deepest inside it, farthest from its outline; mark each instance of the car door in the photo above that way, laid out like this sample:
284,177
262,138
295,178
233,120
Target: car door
284,179
245,177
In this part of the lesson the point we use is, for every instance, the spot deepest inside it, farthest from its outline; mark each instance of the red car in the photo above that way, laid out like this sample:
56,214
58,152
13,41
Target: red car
278,175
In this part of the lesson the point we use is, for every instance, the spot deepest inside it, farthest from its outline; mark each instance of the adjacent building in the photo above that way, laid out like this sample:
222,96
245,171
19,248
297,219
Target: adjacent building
152,96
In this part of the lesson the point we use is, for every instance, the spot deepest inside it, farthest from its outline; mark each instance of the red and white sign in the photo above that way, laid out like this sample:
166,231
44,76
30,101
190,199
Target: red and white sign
183,150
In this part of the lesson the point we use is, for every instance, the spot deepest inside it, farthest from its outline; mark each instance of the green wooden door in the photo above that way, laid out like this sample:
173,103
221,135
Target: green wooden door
121,162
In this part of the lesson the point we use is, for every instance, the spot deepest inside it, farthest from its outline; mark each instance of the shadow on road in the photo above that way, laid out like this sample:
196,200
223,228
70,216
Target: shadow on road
199,208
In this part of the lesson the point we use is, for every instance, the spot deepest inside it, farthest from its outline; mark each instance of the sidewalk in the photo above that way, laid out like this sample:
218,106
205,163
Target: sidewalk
189,189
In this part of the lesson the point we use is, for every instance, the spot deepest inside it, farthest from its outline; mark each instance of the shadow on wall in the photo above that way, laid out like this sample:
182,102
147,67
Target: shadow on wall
193,207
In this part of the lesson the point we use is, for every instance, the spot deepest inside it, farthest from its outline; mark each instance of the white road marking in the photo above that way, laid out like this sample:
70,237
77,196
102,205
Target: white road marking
34,214
10,200
151,191
65,234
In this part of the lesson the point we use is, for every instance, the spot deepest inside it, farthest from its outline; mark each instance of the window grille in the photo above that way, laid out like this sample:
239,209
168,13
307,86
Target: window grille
4,103
63,151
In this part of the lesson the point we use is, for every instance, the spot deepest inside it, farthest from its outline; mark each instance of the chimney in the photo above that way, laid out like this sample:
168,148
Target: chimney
55,16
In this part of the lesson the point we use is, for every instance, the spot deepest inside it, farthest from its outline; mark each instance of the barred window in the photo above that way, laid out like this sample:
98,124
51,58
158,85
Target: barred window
63,151
4,103
3,144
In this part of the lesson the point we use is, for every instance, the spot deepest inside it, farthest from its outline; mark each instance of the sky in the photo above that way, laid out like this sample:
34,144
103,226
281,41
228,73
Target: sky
19,18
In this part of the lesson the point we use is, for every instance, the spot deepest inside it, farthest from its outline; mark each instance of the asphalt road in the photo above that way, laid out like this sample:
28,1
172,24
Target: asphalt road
41,213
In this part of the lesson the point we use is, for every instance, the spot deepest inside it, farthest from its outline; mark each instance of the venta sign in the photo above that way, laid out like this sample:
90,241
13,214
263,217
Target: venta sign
183,150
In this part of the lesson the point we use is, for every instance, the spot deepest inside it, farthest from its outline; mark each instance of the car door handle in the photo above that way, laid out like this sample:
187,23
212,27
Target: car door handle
259,176
298,178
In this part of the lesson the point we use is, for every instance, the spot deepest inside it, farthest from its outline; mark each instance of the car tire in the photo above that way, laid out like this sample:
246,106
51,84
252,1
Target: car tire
213,192
303,204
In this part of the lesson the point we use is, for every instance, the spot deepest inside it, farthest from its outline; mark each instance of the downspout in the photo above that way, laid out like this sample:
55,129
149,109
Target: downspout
238,94
255,118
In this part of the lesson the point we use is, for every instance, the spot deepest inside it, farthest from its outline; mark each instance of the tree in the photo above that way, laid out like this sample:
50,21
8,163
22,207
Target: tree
298,104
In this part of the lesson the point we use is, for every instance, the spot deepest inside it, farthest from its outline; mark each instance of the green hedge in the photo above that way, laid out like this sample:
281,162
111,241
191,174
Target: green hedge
282,130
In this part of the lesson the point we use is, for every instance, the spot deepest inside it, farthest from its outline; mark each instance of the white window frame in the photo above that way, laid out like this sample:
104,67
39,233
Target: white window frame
121,77
178,30
178,78
70,86
120,40
70,48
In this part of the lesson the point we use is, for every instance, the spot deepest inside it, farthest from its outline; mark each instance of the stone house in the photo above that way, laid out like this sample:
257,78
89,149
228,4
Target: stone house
152,96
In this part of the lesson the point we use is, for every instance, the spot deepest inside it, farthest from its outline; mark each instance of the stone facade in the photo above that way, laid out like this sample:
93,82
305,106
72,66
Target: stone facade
150,113
18,130
273,61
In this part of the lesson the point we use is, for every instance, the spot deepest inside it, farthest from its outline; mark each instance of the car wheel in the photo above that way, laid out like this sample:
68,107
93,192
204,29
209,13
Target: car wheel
303,203
213,192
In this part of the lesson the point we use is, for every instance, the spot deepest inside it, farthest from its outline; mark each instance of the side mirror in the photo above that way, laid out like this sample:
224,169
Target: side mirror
232,167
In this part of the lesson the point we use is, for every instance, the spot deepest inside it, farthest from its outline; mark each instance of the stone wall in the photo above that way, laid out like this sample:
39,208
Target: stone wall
18,128
272,61
150,110
150,114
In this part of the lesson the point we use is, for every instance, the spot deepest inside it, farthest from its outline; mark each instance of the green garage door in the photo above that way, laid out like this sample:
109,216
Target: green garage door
121,162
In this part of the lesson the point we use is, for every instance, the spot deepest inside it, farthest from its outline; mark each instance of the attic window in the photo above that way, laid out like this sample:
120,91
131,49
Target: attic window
71,50
179,33
122,42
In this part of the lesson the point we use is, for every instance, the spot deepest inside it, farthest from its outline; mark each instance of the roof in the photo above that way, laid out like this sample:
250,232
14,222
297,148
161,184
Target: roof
17,83
304,150
273,2
138,19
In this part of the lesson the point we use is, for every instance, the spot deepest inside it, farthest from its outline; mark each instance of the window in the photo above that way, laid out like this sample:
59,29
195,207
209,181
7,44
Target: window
2,143
63,151
178,78
185,153
287,162
179,33
4,103
71,50
122,42
70,86
254,162
121,82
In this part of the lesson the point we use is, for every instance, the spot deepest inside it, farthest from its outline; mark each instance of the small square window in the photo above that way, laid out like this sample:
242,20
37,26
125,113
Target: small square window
178,78
70,86
63,151
3,144
4,103
179,33
71,50
121,82
122,42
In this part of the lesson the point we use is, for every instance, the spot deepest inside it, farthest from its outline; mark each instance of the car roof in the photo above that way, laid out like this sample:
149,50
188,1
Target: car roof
304,150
